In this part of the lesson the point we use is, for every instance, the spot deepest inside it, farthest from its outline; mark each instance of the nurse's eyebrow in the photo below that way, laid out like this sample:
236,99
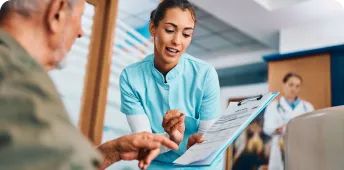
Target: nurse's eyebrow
175,26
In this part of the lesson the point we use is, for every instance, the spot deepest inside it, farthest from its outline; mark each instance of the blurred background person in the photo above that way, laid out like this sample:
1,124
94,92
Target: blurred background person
280,112
250,154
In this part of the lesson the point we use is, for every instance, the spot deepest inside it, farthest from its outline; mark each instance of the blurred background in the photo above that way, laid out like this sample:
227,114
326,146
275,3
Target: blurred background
251,43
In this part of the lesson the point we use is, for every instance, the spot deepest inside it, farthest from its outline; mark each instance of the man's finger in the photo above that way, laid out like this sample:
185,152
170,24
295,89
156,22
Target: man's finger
145,140
142,153
152,141
148,144
150,157
165,141
141,164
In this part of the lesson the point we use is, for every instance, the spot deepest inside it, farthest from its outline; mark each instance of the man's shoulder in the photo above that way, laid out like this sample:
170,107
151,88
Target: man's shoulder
13,56
4,60
31,100
33,106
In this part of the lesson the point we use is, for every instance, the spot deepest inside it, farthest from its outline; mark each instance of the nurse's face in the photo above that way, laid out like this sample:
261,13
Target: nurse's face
172,36
292,87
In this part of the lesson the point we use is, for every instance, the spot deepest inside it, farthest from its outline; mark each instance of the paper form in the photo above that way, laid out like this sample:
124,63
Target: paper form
223,132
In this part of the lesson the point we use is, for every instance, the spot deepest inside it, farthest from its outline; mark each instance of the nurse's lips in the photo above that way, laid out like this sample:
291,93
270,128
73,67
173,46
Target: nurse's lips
171,51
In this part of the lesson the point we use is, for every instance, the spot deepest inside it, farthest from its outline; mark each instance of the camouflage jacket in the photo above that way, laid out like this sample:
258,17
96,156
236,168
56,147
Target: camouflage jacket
35,131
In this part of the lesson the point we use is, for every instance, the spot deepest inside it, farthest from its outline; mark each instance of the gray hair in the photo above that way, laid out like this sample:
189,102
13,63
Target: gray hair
25,7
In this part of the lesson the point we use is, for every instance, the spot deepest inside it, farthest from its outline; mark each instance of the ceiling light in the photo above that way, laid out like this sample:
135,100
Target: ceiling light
341,2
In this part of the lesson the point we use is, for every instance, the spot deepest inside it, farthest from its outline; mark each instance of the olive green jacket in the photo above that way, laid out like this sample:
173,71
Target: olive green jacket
35,131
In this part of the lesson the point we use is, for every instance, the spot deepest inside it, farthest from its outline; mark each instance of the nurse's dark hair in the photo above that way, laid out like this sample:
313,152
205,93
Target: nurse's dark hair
159,13
290,75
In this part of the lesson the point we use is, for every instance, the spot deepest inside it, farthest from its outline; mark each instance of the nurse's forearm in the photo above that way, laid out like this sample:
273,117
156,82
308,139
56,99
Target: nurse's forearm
141,123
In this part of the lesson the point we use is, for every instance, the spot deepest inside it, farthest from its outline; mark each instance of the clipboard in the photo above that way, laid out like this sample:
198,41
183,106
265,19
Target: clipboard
191,156
250,99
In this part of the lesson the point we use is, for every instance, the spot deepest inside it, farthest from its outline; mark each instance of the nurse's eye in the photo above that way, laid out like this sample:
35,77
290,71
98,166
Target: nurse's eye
187,35
169,31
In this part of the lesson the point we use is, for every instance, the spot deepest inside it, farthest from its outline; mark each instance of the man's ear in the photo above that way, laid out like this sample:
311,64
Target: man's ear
56,15
152,29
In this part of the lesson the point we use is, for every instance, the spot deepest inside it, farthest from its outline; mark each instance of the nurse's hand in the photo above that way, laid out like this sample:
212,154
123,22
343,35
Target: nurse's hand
195,138
173,124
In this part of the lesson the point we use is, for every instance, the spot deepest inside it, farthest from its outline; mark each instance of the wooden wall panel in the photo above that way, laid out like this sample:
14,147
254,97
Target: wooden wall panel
315,70
229,158
94,99
105,69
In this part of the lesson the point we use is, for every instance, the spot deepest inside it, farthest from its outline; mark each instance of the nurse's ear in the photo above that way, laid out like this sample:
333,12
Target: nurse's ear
152,29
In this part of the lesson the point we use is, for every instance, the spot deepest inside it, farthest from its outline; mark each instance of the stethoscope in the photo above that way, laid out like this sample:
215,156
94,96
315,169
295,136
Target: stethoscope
281,108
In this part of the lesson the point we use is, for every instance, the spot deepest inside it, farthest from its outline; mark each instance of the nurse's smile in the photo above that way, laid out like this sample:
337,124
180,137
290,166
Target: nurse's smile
171,52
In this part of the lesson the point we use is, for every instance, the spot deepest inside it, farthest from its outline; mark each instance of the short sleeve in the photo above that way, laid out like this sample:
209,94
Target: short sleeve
211,106
130,103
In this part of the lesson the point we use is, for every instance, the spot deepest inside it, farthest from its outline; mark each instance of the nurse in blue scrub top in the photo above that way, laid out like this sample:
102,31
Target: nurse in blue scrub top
170,92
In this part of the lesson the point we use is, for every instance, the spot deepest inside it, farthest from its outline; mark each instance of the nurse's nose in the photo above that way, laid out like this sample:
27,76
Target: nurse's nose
176,39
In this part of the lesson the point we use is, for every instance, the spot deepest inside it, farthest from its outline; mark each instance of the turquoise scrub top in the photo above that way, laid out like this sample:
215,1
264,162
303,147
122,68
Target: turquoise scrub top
191,87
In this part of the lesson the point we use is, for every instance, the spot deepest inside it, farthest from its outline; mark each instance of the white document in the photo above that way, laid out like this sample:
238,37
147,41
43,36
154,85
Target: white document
224,131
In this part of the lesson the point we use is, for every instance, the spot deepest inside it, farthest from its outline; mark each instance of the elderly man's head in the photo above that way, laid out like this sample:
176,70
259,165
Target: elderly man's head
47,29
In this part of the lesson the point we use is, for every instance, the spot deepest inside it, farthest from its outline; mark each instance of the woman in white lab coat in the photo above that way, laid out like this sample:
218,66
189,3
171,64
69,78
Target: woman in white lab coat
279,112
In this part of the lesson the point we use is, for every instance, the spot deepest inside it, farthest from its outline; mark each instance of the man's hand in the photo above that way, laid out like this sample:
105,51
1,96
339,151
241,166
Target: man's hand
144,147
195,138
173,124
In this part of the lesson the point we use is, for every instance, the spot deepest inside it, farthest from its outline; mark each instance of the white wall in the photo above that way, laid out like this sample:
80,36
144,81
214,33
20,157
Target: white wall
242,91
276,4
239,59
141,8
306,37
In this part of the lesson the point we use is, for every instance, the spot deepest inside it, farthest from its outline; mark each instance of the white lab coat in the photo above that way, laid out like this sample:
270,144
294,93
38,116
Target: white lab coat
275,116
